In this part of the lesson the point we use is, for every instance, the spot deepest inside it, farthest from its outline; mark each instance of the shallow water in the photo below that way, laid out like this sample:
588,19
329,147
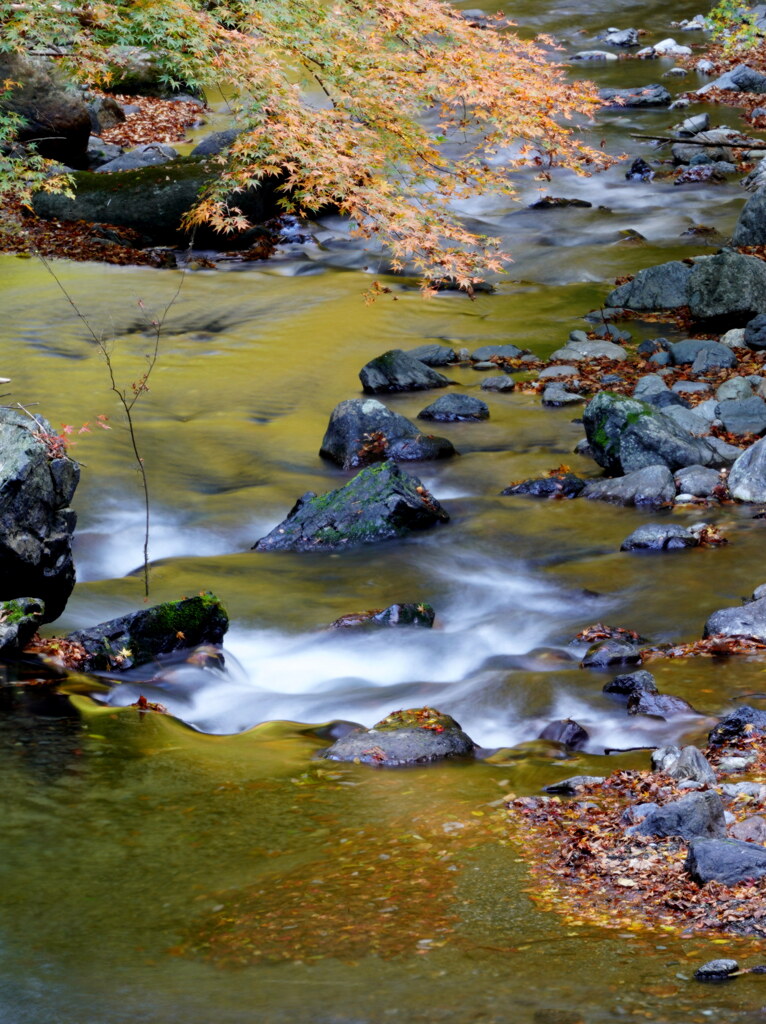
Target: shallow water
124,835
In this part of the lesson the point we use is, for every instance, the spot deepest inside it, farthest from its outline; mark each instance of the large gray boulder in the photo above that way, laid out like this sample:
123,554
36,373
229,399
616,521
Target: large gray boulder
153,201
151,154
727,861
663,286
362,431
381,502
747,477
743,415
56,116
745,620
751,226
625,434
742,78
728,284
37,481
698,814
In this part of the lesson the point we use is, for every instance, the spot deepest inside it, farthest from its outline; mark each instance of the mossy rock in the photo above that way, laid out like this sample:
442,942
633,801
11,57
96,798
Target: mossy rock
142,636
421,615
416,736
153,200
380,503
20,618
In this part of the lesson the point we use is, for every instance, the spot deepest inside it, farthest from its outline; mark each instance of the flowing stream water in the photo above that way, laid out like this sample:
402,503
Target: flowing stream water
130,844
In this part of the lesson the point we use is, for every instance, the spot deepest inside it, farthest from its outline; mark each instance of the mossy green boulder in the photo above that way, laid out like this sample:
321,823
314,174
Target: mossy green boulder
142,636
626,434
380,503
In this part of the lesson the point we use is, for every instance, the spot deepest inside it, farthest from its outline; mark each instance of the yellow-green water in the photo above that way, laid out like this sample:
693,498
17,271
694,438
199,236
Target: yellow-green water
127,840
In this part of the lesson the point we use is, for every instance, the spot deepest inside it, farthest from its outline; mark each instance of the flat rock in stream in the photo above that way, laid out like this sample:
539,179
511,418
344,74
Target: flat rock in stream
362,431
142,636
557,485
639,96
380,503
413,737
626,434
406,614
660,537
395,371
652,486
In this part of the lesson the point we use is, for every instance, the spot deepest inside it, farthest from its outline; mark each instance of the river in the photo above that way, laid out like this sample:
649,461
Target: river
132,845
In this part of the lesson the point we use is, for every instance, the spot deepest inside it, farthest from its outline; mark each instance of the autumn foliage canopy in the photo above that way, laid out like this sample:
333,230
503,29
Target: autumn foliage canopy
388,110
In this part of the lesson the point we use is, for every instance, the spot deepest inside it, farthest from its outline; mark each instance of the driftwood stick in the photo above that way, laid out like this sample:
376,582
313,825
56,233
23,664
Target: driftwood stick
694,142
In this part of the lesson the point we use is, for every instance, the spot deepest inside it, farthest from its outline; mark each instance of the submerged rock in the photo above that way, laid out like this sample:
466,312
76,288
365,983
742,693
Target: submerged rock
626,434
412,737
396,371
37,482
142,636
362,431
395,615
379,503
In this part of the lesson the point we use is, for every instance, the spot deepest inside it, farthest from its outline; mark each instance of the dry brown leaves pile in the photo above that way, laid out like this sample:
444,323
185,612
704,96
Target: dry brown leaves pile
155,120
710,647
64,652
586,868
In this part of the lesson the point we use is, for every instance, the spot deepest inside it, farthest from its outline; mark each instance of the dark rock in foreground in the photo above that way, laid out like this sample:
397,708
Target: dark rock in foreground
380,503
397,371
416,736
395,615
142,636
698,814
362,431
37,482
727,861
20,619
626,434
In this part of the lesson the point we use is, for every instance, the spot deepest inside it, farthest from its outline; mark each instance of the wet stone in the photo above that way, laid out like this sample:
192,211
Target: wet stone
412,737
660,537
397,371
497,384
558,485
631,683
454,407
716,970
